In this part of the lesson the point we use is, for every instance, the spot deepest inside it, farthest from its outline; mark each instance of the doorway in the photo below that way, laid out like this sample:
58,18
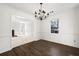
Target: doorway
22,30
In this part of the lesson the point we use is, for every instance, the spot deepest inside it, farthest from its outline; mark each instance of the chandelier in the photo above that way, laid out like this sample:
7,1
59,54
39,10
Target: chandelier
42,14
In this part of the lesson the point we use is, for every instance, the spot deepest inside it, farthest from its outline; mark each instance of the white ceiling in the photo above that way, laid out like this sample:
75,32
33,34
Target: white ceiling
31,7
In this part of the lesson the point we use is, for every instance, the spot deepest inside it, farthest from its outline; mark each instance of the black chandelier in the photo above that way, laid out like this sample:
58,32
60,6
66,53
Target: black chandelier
42,14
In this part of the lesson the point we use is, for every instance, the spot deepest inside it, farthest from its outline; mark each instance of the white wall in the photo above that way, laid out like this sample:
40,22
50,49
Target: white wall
76,27
6,14
5,38
68,28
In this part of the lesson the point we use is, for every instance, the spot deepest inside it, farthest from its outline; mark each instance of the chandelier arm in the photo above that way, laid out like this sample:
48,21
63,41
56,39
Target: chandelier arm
41,6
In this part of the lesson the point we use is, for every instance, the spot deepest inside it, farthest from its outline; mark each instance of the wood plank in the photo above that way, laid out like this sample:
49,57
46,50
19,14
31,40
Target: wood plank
42,48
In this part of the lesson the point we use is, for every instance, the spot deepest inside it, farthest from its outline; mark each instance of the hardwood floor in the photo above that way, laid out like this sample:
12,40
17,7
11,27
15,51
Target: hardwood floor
42,48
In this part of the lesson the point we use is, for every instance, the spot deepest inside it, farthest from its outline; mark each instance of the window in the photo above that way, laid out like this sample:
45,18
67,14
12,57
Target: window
54,25
21,27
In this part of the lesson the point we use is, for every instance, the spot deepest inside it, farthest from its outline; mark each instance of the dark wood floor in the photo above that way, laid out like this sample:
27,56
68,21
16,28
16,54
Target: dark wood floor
42,48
